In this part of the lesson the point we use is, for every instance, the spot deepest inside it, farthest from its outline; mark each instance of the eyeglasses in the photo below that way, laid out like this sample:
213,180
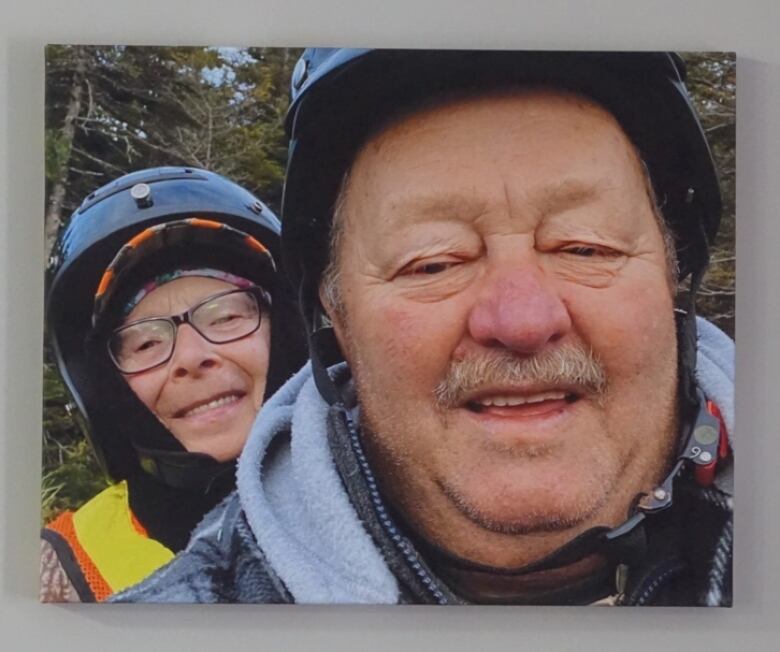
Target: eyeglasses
221,318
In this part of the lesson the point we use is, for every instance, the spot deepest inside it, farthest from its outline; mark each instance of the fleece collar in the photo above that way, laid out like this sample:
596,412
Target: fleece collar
298,510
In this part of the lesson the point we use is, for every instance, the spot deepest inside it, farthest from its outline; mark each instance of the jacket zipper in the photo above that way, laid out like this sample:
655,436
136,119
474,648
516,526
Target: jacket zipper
396,537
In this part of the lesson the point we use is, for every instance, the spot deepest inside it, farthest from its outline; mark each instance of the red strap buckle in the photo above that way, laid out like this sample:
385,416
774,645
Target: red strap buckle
705,473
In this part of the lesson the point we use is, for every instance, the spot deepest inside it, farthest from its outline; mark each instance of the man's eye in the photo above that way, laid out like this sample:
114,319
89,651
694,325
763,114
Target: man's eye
584,251
430,268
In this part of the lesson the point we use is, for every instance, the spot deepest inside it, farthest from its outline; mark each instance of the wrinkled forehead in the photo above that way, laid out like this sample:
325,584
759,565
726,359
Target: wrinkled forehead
436,140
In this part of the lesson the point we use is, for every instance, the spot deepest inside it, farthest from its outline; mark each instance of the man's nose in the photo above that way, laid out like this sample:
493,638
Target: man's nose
518,308
192,354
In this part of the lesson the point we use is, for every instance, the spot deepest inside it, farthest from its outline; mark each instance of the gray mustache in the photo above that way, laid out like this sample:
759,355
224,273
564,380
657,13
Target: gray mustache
568,365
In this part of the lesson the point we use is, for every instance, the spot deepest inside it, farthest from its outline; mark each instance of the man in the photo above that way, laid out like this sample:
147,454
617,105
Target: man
520,415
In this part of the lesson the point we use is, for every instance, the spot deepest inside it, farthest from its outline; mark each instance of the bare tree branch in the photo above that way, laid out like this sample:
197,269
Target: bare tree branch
53,219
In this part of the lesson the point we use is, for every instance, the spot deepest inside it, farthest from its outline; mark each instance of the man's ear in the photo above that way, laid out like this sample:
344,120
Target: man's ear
334,314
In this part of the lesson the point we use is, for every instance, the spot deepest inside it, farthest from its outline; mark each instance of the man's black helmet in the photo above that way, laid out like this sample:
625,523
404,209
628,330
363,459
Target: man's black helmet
341,96
124,433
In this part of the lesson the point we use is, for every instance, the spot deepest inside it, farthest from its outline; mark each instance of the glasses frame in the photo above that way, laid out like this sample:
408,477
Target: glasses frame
260,296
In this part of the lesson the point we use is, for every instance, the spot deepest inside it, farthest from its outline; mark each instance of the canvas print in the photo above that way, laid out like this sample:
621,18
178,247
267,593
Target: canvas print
344,326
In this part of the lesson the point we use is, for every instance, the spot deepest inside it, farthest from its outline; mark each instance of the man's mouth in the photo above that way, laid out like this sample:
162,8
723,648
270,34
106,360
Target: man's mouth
520,402
211,403
502,382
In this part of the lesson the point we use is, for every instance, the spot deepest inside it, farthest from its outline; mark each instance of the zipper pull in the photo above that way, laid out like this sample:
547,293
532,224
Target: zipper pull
621,581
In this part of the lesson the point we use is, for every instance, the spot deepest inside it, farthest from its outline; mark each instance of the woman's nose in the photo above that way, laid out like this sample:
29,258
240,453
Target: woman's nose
192,353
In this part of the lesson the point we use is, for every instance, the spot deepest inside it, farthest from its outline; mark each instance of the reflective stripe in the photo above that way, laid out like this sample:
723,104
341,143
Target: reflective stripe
83,571
108,539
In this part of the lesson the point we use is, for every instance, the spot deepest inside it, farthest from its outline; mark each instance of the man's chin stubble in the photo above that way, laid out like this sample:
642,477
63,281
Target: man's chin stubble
533,522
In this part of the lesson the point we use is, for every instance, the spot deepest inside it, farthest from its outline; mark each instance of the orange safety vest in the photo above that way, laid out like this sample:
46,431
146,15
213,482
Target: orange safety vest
103,548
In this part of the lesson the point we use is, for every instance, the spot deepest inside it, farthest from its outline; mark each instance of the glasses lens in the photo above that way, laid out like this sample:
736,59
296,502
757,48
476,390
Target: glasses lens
227,317
141,346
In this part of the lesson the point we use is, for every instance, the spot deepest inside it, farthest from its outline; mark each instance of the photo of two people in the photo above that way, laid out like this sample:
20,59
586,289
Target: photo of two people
351,326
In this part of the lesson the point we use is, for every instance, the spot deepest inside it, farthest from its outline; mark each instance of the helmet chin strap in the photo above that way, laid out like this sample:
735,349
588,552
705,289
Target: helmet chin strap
324,350
704,440
705,444
182,469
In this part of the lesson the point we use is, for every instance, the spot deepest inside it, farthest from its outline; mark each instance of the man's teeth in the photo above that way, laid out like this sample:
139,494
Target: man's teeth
213,404
514,400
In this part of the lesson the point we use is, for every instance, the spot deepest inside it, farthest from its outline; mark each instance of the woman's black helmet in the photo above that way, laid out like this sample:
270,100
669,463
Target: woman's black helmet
125,435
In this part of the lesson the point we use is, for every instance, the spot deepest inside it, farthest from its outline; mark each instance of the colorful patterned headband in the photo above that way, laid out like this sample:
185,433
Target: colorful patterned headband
181,233
162,279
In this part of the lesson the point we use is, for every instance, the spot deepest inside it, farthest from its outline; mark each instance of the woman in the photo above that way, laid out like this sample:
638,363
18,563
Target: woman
170,325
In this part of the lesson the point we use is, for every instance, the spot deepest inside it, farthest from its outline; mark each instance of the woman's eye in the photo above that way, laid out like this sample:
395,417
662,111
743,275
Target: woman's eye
148,344
225,319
